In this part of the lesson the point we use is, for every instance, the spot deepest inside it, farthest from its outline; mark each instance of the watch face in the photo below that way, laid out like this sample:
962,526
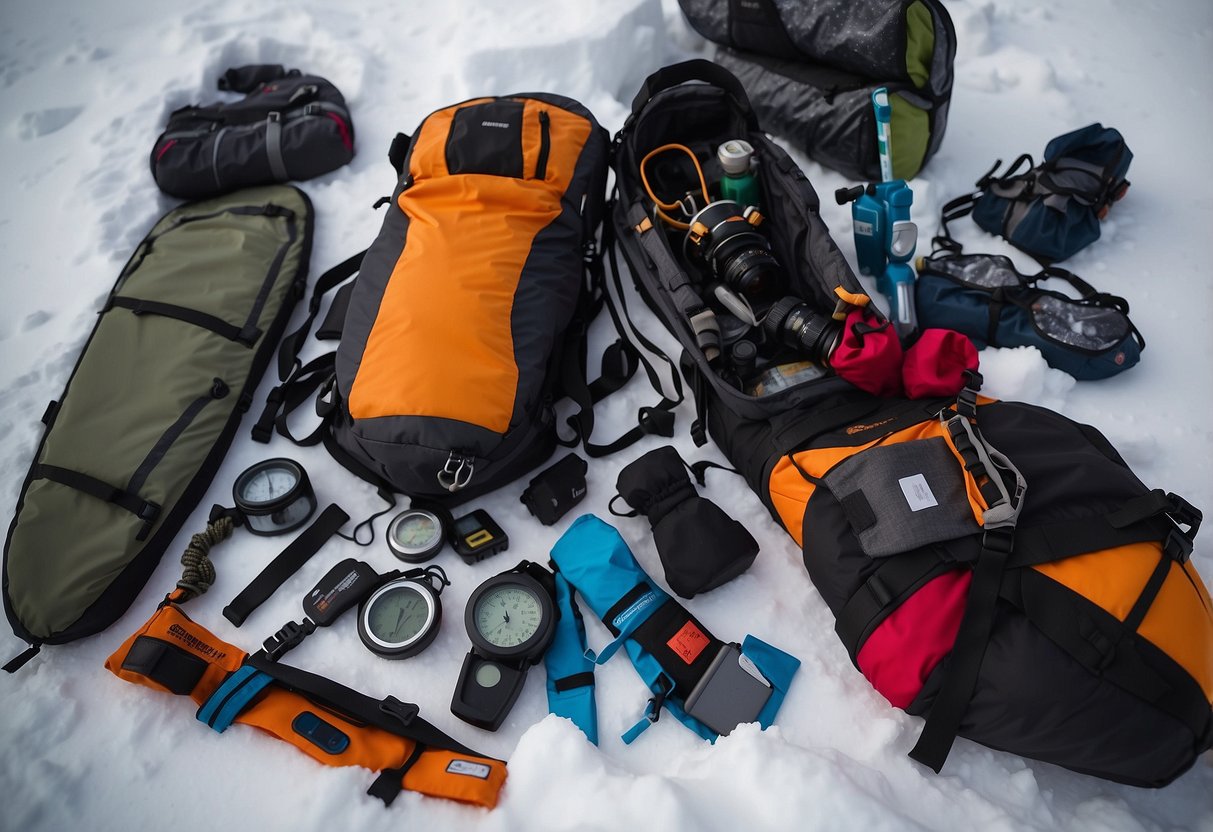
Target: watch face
399,615
508,615
415,535
400,619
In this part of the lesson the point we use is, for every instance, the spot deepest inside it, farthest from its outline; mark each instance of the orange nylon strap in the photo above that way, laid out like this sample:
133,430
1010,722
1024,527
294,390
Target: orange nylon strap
174,654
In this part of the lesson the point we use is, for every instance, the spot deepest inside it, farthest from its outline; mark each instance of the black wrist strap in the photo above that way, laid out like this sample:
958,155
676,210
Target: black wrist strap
286,564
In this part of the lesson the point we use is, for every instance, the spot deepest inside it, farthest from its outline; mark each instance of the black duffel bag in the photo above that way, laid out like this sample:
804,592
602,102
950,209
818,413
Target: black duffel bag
288,126
810,66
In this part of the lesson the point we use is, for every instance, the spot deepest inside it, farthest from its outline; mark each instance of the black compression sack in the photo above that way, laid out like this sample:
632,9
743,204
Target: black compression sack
289,126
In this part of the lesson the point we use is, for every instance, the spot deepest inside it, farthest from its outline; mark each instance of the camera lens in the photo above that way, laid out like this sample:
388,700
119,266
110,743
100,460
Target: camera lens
747,271
731,250
793,323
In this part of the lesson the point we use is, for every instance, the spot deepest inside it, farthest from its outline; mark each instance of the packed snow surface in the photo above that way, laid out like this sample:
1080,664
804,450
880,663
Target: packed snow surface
85,87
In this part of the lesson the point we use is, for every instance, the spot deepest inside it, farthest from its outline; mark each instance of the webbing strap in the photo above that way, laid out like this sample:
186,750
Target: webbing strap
894,580
231,698
1108,647
273,146
991,470
309,541
284,399
658,419
292,344
390,782
645,600
145,510
299,382
969,650
389,714
138,306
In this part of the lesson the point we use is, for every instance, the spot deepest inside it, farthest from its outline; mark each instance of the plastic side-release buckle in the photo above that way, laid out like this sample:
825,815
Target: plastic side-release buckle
1178,545
287,638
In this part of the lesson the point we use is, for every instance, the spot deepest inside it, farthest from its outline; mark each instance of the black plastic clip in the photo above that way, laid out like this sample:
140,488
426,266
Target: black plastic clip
148,512
326,398
403,711
288,638
652,711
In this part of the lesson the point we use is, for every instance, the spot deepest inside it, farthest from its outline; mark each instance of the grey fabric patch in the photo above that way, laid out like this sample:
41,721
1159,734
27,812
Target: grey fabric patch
893,486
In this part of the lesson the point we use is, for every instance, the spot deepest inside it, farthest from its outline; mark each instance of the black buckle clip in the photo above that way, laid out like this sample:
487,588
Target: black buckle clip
652,711
326,398
656,422
1178,545
403,711
288,638
999,541
148,512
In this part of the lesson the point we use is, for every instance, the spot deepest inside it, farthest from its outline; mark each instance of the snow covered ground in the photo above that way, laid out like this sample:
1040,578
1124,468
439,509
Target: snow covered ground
84,90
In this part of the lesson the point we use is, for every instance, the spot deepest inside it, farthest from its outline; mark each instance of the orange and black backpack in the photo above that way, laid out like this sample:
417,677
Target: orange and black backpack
992,566
467,319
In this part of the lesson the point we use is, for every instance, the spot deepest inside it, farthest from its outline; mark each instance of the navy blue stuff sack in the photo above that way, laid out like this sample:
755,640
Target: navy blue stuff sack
984,297
1051,210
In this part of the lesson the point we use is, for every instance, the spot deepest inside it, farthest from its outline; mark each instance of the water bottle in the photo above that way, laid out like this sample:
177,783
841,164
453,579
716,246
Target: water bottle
739,183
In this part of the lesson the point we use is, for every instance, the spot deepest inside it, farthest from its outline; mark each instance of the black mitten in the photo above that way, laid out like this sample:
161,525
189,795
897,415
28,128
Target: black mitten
700,546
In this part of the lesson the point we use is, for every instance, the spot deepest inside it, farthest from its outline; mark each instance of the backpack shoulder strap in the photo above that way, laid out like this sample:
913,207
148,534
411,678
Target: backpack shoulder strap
619,361
299,381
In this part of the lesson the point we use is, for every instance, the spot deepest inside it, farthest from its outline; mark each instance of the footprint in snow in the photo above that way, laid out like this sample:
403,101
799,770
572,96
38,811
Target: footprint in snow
35,319
41,123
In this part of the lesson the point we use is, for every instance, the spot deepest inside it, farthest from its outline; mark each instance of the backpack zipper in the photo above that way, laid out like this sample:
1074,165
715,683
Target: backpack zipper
545,145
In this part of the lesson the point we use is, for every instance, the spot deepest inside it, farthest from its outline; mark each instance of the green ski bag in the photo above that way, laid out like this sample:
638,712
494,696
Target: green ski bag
151,407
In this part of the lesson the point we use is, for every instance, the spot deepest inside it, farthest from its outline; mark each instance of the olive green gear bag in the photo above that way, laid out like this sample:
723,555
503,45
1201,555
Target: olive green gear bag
151,408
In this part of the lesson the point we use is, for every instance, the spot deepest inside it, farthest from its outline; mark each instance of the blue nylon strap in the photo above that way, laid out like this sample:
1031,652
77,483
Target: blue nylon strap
627,622
232,697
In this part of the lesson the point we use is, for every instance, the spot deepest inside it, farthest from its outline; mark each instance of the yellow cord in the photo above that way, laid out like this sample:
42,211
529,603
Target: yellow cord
662,207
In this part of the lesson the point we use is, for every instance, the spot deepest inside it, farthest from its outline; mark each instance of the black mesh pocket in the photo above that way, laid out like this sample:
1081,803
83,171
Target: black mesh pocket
1079,325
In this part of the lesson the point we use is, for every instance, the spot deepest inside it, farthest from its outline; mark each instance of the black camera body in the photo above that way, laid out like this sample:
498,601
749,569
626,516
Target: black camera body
723,239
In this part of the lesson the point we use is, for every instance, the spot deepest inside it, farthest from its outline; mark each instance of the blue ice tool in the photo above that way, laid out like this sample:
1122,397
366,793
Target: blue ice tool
885,237
710,686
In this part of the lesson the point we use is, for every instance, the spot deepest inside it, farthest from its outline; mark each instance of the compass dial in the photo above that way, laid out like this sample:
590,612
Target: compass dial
508,616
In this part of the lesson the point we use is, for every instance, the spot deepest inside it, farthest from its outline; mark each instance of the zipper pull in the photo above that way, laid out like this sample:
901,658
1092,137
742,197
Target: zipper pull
457,472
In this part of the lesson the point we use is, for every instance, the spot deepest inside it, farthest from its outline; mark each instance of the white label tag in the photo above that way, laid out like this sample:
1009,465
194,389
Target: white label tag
469,768
863,229
918,493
